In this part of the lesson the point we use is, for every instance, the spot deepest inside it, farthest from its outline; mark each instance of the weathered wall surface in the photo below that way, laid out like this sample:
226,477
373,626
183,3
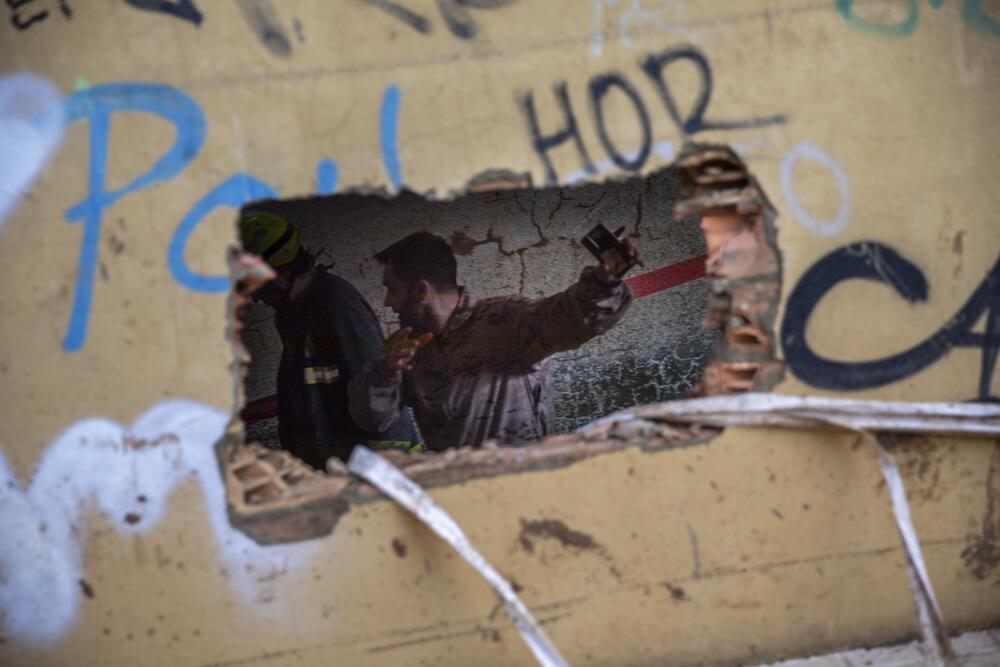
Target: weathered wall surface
141,126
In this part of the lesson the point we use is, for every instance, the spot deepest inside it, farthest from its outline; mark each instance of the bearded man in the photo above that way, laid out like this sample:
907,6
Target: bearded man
475,370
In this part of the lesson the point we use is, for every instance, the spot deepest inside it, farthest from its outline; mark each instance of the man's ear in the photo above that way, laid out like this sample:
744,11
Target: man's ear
423,289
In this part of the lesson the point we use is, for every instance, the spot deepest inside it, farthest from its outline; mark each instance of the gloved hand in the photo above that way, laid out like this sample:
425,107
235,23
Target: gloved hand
612,262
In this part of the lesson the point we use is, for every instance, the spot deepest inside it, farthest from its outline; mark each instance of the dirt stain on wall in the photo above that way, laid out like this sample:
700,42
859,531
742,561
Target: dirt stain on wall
553,529
982,556
574,540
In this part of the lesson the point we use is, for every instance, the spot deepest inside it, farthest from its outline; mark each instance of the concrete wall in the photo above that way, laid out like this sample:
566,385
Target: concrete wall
136,132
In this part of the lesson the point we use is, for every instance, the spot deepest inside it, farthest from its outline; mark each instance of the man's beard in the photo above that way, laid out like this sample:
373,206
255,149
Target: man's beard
418,316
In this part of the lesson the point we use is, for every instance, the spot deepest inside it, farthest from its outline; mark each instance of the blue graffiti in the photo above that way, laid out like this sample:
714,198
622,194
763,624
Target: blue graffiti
388,120
97,104
235,191
972,13
904,27
326,176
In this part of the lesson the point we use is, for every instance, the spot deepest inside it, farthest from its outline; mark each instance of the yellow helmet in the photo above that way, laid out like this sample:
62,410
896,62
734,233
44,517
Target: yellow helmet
273,238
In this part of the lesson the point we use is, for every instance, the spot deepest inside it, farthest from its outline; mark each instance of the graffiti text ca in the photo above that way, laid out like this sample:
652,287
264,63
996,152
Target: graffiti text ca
871,260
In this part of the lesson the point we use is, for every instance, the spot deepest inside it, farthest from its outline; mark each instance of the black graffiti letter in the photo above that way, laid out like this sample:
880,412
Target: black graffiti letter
15,17
870,260
412,19
182,9
695,121
459,19
543,144
263,19
456,14
599,87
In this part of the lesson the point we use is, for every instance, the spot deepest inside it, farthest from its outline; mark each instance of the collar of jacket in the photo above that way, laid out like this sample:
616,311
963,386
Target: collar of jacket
462,312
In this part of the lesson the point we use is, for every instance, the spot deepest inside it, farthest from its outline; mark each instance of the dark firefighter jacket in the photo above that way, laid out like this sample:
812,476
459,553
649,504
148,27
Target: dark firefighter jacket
328,334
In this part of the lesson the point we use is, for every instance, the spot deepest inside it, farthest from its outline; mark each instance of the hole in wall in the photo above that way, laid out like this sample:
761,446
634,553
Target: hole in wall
522,242
684,334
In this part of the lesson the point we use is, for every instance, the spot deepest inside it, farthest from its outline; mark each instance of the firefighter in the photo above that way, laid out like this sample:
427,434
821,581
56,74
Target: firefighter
328,333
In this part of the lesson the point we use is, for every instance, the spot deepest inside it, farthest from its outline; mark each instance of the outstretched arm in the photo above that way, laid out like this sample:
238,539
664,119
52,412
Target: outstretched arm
567,320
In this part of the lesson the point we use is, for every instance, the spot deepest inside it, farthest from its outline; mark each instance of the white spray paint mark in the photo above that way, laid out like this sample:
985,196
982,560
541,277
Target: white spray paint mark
129,474
745,149
27,137
241,153
663,149
597,29
666,16
807,151
971,60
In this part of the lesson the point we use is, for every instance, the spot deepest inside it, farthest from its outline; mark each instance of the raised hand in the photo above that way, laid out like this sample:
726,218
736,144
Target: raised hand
613,266
398,352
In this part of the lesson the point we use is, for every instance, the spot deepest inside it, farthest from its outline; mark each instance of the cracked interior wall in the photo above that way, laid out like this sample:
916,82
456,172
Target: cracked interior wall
525,241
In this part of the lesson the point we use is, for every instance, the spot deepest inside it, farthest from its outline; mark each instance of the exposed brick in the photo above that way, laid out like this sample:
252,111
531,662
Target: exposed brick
743,264
274,497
